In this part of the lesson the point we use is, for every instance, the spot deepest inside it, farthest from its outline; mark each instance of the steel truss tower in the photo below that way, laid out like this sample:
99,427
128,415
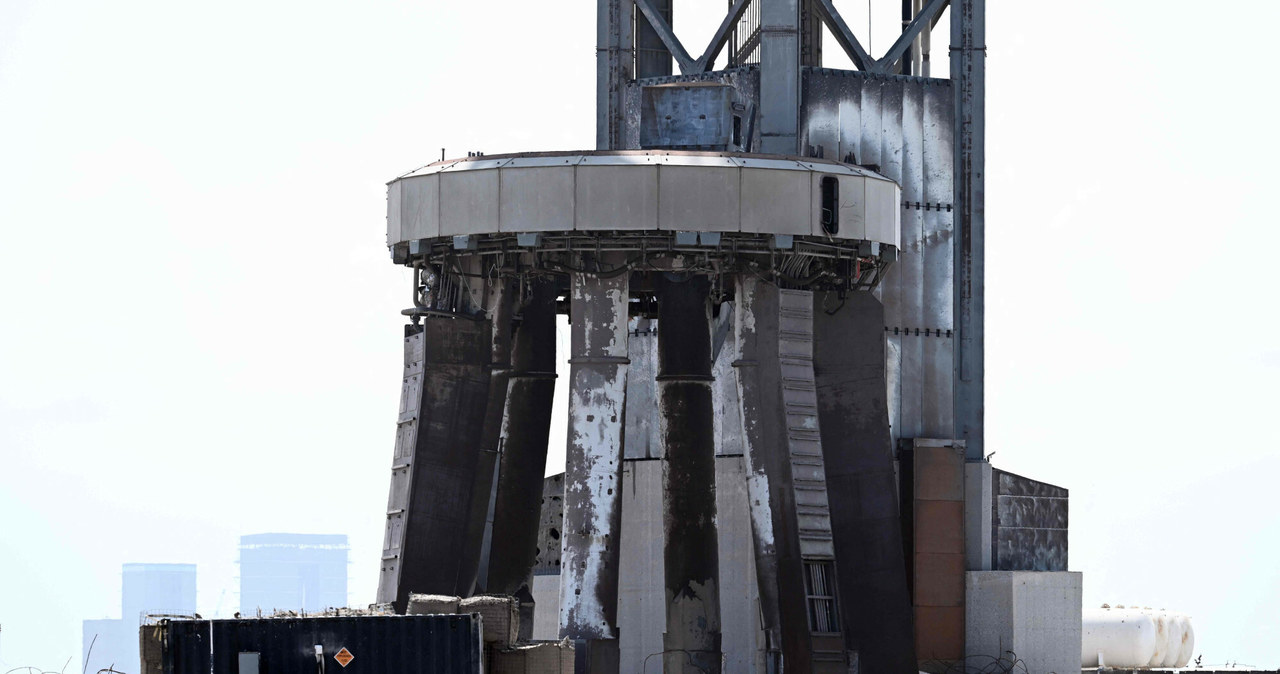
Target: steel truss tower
818,232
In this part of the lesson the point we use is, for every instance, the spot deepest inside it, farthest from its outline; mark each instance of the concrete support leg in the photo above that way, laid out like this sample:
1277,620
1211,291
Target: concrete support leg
692,639
438,444
849,364
593,465
523,460
772,499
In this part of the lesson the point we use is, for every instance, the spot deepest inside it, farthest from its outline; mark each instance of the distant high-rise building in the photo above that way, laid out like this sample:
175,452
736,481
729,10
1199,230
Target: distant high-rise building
292,571
145,589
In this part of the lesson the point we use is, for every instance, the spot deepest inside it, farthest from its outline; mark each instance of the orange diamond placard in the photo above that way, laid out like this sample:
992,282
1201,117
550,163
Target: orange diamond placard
344,657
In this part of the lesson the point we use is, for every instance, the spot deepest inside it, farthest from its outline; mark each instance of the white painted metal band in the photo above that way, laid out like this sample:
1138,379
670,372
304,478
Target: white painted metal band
639,191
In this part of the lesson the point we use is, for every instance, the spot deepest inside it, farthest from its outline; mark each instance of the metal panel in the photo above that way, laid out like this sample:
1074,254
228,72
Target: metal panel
468,202
689,115
769,202
883,211
698,199
937,300
423,644
871,128
616,197
394,204
420,209
536,199
853,208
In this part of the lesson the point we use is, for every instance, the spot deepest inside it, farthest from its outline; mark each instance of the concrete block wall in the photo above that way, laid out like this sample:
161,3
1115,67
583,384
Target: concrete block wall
1036,615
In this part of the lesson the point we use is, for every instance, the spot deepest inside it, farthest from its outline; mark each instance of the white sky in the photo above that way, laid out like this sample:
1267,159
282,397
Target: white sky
200,330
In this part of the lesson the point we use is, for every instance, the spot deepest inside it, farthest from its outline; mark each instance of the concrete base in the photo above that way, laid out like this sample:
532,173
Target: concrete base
1035,614
546,611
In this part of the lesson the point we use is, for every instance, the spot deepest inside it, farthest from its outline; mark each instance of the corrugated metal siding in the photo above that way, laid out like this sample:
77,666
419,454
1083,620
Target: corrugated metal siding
903,126
434,644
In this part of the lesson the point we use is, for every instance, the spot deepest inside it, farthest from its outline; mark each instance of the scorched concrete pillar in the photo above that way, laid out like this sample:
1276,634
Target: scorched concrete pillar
692,639
593,466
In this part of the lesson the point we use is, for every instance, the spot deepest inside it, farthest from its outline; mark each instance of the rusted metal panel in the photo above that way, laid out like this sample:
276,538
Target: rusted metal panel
935,486
939,633
851,393
593,466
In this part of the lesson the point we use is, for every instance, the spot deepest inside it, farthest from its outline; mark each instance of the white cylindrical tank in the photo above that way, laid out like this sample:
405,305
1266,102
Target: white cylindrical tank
1188,642
1135,637
1162,637
1173,647
1117,638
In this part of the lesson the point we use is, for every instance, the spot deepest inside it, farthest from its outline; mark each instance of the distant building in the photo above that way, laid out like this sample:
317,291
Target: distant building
305,572
144,589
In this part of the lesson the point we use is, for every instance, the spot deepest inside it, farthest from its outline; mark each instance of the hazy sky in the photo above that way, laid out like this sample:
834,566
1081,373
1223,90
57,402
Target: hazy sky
200,329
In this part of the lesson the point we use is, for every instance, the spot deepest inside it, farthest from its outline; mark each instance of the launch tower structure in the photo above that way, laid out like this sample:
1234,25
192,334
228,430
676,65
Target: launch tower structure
819,231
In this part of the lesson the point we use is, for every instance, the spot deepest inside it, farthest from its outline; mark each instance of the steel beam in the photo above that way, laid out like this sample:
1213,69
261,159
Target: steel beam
653,59
668,37
968,84
692,639
614,58
523,460
925,18
779,76
845,37
593,465
854,418
708,58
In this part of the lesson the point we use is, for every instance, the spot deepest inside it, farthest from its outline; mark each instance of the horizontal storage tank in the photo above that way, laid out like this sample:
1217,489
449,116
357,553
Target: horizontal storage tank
1135,637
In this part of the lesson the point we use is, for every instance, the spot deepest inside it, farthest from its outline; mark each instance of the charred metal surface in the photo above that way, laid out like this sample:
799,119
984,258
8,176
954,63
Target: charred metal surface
514,547
497,296
438,443
903,126
1029,524
691,557
850,373
745,100
598,297
785,479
